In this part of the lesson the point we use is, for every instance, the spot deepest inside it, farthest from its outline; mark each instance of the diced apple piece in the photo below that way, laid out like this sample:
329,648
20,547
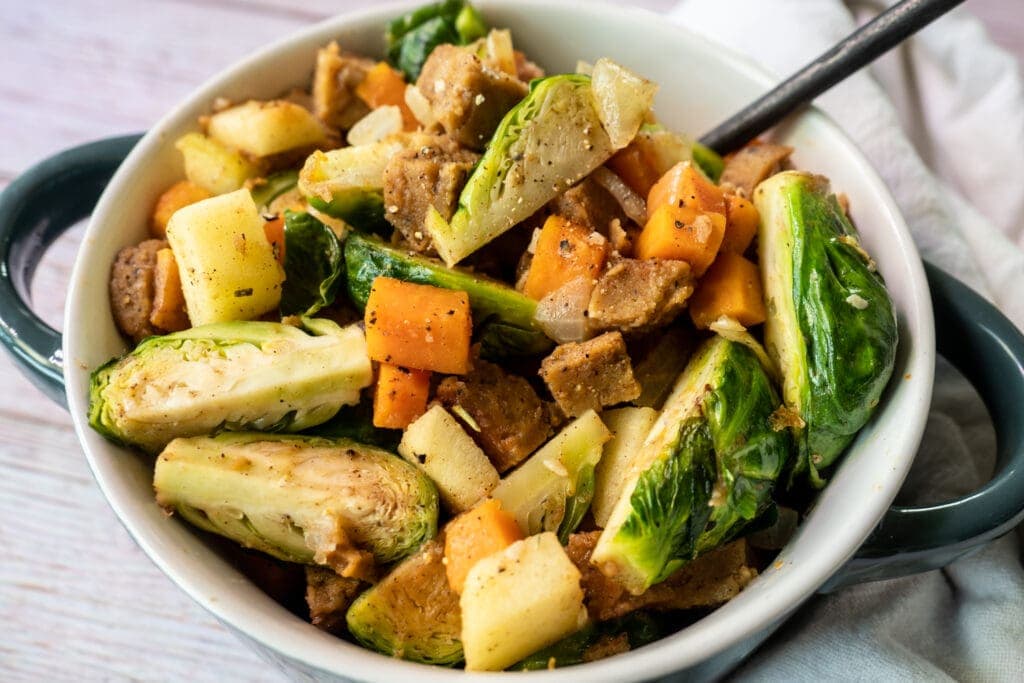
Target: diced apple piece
212,166
265,128
518,601
227,266
629,427
436,443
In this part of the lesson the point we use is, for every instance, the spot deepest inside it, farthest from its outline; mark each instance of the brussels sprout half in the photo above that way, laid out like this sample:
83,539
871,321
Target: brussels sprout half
705,471
831,326
233,376
566,126
299,498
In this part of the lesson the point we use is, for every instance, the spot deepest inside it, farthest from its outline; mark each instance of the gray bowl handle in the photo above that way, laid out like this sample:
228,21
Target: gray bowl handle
36,209
989,350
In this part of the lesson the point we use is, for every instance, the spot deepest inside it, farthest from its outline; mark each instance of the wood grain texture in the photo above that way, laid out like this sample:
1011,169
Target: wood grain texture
78,600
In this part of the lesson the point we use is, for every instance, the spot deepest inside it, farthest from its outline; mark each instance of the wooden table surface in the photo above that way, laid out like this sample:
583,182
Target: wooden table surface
78,600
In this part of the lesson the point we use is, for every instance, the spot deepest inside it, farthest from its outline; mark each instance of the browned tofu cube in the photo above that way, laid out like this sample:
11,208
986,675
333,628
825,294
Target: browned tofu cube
590,374
466,97
509,420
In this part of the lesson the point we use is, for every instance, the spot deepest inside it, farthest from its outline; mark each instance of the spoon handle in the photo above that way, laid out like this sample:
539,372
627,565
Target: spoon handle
856,50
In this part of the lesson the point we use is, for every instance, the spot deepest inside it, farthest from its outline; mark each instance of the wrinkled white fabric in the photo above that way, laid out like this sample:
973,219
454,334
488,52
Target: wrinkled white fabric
942,120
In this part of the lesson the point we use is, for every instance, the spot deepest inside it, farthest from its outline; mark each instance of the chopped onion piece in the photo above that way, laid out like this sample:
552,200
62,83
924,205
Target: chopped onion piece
633,205
420,106
375,126
562,314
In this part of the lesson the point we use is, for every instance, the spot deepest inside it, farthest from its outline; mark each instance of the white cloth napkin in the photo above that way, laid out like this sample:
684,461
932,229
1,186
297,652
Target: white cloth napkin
942,120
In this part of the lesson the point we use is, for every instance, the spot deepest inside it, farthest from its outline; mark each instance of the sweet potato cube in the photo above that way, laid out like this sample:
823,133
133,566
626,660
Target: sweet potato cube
731,287
683,233
685,185
385,86
632,166
400,397
418,326
168,300
181,193
741,220
564,251
274,230
475,534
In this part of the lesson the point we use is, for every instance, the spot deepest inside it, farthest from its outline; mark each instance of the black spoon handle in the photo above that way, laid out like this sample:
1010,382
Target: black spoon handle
856,50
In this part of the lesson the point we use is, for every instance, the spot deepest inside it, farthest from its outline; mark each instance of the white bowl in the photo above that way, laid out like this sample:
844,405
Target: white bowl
701,83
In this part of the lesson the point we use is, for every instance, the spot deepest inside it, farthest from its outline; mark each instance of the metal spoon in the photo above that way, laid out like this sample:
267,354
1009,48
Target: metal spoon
856,50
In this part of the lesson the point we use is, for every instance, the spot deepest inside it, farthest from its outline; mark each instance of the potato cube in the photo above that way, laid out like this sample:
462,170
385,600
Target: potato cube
265,128
440,447
519,600
212,166
228,270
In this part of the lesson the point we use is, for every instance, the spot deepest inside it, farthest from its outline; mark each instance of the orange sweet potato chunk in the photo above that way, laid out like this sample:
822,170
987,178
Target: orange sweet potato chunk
564,251
168,312
741,220
400,397
418,326
475,534
632,166
385,86
178,195
731,287
683,233
685,185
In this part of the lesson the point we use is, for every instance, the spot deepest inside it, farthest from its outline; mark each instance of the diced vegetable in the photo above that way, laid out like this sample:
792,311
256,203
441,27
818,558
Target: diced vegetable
564,251
227,265
615,89
263,129
418,326
440,447
518,601
474,535
504,317
213,166
629,428
348,183
383,86
381,123
741,221
831,325
552,490
181,193
168,301
233,376
705,471
412,613
548,142
412,37
684,185
684,233
400,397
631,165
731,288
274,231
313,265
650,155
299,498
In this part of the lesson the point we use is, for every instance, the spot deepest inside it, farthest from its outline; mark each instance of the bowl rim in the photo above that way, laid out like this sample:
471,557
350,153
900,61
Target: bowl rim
313,648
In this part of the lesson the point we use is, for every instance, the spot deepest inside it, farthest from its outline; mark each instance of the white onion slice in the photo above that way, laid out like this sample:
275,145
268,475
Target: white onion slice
633,205
561,314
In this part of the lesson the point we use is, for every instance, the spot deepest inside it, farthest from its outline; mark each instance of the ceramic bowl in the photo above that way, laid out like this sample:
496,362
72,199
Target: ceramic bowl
701,83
